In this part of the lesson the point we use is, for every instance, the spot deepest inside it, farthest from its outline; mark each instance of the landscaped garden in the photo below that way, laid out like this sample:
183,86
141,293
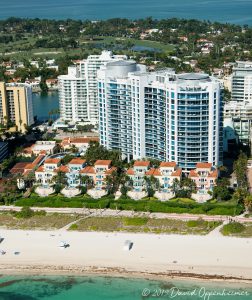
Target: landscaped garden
178,205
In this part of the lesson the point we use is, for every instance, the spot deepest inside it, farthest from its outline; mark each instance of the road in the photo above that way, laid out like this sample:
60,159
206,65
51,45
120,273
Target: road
125,213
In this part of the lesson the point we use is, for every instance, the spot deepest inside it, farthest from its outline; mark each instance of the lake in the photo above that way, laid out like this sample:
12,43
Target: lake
44,103
235,11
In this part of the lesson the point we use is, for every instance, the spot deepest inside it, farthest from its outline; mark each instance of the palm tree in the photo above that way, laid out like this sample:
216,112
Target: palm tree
175,186
152,184
85,181
248,203
29,179
20,123
112,182
189,185
74,149
59,180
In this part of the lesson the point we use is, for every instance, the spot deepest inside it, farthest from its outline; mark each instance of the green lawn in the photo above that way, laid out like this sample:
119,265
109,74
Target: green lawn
144,43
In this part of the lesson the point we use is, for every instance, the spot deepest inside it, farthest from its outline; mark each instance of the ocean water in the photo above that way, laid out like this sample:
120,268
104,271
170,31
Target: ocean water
107,288
234,11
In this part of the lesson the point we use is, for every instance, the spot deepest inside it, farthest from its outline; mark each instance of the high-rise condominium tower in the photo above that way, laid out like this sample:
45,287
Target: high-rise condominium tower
78,89
16,105
160,115
242,81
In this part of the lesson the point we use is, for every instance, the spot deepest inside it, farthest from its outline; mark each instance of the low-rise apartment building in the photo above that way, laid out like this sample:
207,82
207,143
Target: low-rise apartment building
166,173
74,170
204,176
81,143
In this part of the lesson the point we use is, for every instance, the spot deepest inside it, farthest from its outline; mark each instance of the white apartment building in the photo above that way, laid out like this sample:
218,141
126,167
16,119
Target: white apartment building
73,96
241,115
78,89
242,81
160,115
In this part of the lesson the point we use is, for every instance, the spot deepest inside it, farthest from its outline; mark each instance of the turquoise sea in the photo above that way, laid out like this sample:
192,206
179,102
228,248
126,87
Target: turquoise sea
107,288
233,11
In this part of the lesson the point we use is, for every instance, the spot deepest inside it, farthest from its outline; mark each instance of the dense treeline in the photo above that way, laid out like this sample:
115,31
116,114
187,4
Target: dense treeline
69,40
114,26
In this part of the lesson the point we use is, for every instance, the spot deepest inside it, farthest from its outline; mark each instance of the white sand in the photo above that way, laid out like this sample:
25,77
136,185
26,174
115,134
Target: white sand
151,254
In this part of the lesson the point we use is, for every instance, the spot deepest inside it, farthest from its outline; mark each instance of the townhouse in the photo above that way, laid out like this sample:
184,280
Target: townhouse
73,171
204,176
166,173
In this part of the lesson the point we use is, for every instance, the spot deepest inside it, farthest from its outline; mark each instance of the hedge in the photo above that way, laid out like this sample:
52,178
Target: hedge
128,204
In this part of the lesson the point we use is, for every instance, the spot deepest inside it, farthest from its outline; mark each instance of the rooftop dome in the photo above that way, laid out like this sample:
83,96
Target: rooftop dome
193,76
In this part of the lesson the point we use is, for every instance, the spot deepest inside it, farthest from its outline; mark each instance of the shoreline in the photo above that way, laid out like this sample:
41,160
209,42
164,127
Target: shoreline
156,257
41,270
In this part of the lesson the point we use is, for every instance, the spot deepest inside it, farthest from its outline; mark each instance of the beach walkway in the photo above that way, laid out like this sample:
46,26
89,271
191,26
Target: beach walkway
125,213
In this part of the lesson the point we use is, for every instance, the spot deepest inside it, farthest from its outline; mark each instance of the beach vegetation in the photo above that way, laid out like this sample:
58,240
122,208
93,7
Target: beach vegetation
73,227
36,220
144,225
195,223
233,228
134,221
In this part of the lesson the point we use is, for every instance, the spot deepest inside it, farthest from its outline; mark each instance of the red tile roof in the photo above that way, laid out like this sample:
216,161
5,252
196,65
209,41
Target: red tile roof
141,163
52,161
77,161
40,169
130,172
214,174
203,165
150,172
88,170
177,173
103,162
30,166
157,173
168,164
80,140
19,168
63,169
193,173
38,159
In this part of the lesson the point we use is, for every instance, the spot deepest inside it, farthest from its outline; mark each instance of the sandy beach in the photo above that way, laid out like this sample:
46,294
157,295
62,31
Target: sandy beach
206,257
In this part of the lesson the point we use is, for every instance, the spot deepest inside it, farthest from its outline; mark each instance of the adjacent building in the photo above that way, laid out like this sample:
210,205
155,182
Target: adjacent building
78,89
160,115
241,115
80,143
242,81
239,110
16,105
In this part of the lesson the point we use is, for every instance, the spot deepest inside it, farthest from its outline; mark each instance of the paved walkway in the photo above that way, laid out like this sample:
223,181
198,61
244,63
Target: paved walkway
126,213
216,231
66,227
